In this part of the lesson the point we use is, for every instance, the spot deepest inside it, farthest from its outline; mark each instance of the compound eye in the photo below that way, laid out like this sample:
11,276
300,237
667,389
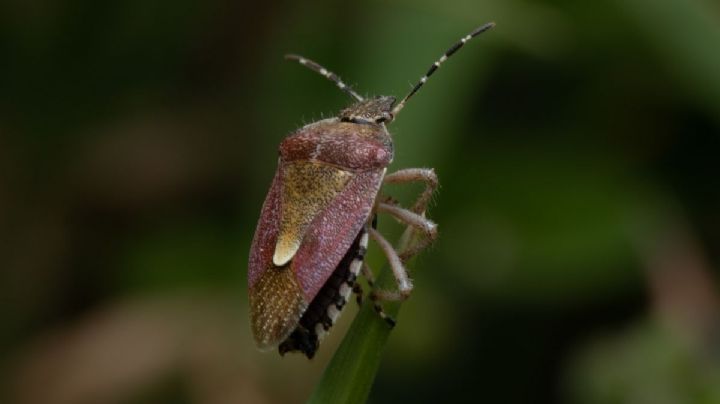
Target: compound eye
386,117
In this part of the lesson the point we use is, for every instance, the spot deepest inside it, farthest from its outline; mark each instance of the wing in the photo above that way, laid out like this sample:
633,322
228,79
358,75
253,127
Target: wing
276,301
310,218
333,231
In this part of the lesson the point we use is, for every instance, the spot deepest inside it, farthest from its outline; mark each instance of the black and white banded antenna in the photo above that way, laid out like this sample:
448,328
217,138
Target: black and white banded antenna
316,67
459,44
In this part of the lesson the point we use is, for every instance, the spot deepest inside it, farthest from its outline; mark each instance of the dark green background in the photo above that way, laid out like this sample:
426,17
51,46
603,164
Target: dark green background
576,143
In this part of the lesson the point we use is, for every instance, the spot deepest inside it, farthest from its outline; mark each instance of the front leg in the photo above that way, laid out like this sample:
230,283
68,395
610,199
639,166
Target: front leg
414,217
398,269
416,220
394,259
426,227
425,175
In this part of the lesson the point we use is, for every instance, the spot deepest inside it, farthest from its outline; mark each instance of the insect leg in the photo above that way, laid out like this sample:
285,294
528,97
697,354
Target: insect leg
357,289
425,175
401,277
426,227
368,274
378,295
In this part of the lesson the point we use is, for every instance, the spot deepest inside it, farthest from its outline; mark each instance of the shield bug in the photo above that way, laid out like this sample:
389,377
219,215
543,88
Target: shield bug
316,220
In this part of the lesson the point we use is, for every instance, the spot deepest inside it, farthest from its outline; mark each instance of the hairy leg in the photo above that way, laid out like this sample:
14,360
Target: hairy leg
410,175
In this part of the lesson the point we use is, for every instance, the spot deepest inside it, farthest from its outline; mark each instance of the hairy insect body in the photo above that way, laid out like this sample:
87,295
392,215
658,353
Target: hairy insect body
319,215
328,177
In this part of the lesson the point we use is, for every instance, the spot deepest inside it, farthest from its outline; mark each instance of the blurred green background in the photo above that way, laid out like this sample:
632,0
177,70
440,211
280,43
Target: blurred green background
577,147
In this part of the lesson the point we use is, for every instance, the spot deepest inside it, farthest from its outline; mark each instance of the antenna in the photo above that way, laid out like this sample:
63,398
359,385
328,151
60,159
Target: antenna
459,44
327,73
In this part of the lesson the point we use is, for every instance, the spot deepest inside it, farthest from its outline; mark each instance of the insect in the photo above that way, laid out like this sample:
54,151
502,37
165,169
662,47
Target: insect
321,210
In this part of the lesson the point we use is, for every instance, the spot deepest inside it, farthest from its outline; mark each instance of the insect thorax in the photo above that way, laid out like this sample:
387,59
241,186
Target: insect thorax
374,110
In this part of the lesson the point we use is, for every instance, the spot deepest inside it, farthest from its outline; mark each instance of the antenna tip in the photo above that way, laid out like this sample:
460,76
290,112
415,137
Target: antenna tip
479,30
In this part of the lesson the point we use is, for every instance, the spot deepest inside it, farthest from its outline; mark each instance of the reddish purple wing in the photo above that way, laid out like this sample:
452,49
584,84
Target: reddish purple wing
276,300
333,231
263,244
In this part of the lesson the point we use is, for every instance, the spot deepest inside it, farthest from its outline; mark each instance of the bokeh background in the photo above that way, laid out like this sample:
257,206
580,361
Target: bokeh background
577,146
